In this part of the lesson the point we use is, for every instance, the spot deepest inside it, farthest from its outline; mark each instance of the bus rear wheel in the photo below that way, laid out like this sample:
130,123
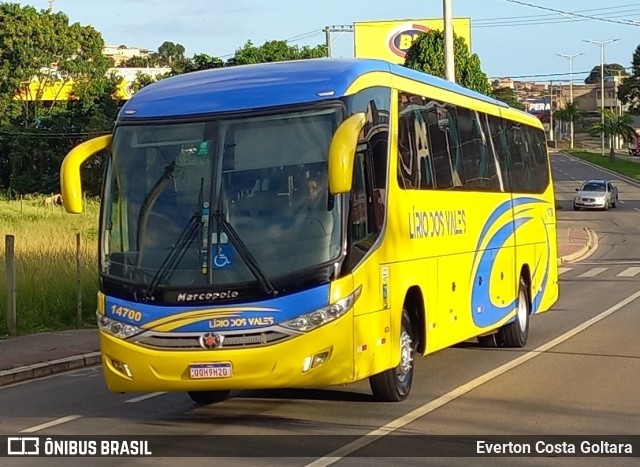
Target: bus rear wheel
394,385
516,334
208,397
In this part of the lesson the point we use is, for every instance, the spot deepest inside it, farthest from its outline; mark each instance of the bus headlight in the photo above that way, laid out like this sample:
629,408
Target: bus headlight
117,328
322,316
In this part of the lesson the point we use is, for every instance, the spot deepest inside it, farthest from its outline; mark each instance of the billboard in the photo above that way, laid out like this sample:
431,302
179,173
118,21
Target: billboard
540,107
390,40
61,90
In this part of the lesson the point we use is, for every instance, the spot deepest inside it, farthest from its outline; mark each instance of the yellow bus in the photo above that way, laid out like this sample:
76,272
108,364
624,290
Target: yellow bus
314,223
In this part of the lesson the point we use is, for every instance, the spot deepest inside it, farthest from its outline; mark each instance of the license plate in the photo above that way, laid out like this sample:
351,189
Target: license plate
210,370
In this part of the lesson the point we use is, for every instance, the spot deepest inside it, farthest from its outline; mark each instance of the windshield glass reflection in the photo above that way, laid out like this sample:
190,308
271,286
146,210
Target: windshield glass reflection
221,202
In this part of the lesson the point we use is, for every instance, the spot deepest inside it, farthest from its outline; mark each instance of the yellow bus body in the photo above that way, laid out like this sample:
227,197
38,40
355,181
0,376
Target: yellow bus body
434,248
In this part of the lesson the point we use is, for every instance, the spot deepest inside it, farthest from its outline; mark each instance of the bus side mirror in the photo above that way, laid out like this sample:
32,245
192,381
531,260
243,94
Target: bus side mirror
342,153
70,181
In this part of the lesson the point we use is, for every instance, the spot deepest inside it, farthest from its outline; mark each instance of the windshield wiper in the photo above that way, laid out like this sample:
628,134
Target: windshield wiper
147,204
244,252
177,252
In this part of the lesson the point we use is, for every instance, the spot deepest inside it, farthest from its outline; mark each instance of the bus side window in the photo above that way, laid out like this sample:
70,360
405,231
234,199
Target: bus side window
440,139
501,147
479,165
539,159
358,218
414,159
519,155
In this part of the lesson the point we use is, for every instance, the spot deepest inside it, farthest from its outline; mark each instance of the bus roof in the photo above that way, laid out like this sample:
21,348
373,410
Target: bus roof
247,87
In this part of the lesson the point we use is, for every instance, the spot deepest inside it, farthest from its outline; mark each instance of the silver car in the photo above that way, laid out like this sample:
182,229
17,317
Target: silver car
596,194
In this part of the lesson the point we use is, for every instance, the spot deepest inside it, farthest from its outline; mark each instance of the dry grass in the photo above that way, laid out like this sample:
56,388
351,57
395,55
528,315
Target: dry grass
45,255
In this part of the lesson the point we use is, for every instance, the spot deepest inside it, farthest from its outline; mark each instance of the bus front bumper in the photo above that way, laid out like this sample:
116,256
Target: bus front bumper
129,367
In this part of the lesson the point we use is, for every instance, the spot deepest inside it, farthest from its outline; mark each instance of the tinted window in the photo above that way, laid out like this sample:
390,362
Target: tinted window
593,187
441,146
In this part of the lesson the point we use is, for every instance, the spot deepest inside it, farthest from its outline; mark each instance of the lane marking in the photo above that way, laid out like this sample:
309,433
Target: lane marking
57,421
144,398
593,272
563,270
612,262
629,272
412,416
637,209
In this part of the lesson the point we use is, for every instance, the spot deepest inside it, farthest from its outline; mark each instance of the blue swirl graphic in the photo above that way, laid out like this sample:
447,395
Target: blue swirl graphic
483,311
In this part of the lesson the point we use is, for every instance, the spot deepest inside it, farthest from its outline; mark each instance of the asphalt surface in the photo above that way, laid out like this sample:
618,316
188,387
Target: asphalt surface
33,356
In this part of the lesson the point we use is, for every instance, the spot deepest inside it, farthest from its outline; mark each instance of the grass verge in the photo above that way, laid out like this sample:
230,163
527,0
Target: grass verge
622,166
45,257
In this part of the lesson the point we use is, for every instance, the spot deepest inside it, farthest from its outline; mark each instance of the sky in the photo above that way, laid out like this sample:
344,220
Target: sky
525,50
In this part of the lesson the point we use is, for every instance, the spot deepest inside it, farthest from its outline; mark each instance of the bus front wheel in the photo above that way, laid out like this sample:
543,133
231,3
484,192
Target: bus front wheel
394,385
208,397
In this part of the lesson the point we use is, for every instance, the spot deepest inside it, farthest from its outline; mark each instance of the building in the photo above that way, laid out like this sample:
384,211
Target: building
122,53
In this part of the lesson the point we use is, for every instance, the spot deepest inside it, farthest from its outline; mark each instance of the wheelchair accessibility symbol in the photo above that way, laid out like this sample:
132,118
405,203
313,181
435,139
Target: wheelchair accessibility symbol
222,257
220,260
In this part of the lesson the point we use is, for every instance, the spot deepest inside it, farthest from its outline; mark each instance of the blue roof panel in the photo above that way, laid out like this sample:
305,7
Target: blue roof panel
263,85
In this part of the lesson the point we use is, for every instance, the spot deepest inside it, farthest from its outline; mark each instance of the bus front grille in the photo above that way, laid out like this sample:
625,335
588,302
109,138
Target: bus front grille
191,341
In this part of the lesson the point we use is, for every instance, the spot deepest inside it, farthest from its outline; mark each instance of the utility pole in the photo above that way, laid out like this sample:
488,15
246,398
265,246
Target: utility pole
570,57
601,44
327,37
551,135
327,34
449,63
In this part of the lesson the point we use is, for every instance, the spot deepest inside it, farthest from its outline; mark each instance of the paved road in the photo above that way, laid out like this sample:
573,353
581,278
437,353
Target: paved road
578,375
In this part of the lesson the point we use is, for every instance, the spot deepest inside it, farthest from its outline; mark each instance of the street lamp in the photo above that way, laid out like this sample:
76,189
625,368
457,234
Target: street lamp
570,57
449,62
601,44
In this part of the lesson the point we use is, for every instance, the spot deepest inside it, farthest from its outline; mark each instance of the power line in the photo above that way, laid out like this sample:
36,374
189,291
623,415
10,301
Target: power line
579,15
549,15
550,75
553,20
297,38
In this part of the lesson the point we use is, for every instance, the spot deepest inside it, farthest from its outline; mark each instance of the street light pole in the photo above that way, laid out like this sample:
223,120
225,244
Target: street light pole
601,44
449,64
570,57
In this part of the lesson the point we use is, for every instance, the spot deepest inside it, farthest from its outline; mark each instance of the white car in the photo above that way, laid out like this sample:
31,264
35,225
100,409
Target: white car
596,194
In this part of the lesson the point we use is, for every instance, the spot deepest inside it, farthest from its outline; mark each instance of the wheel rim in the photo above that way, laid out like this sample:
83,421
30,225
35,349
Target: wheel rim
523,311
405,368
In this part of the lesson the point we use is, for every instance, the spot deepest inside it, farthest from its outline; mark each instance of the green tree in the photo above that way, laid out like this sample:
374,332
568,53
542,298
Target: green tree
610,69
198,62
39,49
169,53
570,113
507,94
141,61
629,91
142,80
427,54
274,51
614,125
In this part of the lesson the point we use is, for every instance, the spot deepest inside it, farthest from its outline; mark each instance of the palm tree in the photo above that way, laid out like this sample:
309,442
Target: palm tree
570,113
614,125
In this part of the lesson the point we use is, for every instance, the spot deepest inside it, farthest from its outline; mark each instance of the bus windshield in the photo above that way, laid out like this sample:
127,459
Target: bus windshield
220,202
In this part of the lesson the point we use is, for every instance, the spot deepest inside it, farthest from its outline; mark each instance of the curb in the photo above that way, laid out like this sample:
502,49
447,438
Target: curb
589,246
39,370
624,177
